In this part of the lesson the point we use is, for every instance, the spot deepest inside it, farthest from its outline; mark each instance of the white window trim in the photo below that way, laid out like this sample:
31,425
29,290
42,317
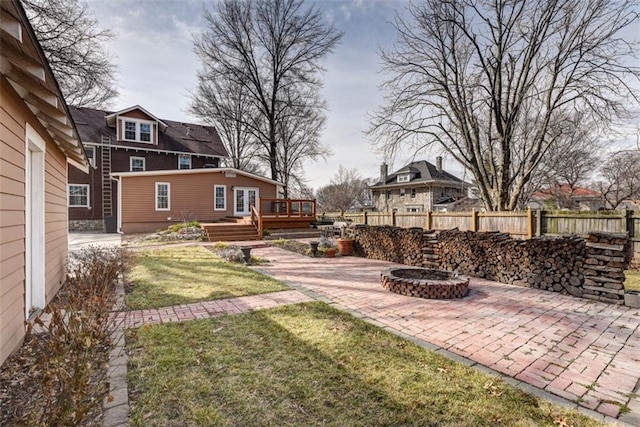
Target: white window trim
86,186
137,122
35,217
180,156
168,184
413,193
403,192
215,205
388,195
92,160
404,178
144,163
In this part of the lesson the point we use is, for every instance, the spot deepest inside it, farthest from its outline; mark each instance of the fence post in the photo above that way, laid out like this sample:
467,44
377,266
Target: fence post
429,221
366,217
529,223
474,219
539,213
393,218
625,220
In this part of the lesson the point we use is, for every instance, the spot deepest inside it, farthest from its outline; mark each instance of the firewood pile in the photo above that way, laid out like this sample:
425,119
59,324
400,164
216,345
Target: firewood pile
394,244
608,255
541,263
591,268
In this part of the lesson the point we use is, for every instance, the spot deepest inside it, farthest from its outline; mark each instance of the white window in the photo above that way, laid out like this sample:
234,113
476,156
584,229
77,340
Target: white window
388,194
91,155
79,195
130,131
413,193
136,130
137,164
220,195
402,192
404,178
413,209
184,161
163,194
145,132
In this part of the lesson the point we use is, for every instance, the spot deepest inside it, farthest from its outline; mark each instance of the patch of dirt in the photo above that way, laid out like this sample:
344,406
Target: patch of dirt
293,246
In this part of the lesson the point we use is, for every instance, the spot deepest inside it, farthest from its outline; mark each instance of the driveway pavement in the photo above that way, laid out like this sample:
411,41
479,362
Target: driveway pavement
78,240
574,351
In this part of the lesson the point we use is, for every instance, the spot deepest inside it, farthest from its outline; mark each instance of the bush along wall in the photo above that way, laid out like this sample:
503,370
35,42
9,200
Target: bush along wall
590,268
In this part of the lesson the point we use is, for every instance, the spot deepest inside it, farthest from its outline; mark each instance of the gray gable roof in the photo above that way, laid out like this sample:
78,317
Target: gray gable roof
422,172
179,137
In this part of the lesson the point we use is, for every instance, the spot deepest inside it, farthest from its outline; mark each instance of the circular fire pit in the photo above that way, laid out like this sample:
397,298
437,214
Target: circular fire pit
425,283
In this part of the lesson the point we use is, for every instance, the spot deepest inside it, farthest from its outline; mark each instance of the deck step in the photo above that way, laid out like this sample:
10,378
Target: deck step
230,232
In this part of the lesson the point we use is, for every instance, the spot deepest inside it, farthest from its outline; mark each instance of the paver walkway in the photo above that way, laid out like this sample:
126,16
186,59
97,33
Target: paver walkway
206,309
584,351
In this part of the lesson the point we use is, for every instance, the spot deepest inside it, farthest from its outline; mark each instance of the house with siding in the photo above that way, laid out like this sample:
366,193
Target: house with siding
153,200
38,140
417,187
131,140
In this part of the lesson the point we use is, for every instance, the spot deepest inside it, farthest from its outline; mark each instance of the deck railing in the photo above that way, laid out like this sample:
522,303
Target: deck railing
281,209
287,208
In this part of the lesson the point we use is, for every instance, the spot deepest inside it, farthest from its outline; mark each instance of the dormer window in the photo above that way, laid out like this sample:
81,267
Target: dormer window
136,130
404,178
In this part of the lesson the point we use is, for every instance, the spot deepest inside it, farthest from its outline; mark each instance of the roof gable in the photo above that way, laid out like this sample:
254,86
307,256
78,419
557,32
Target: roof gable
137,112
27,70
422,172
177,136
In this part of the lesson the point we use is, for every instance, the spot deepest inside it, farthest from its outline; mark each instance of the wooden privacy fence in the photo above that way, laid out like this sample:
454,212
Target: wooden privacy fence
520,224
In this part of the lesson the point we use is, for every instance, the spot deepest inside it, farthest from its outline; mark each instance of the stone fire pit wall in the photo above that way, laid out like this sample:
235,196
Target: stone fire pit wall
590,268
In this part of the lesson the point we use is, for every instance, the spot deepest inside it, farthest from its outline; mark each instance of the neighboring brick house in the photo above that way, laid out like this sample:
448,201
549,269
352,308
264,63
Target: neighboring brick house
565,197
417,187
130,140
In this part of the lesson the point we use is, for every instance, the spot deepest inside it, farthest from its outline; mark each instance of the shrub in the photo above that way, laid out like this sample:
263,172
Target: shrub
181,225
67,345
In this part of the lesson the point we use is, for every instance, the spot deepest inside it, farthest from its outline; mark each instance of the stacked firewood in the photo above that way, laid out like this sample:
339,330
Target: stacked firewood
387,243
549,263
591,268
607,257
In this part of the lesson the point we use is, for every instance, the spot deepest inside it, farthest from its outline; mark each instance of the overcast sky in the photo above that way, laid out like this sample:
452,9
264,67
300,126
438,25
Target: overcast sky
157,70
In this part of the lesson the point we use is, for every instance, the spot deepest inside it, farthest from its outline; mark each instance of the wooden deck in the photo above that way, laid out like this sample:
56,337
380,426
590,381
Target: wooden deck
271,214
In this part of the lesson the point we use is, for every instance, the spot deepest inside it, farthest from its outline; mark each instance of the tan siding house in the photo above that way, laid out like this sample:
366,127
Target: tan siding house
37,138
154,200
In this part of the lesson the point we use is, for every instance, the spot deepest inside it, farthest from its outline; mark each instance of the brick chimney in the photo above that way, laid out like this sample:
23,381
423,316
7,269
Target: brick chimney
384,169
439,163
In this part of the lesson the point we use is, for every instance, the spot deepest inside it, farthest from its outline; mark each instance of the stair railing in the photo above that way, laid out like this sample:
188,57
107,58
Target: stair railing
256,220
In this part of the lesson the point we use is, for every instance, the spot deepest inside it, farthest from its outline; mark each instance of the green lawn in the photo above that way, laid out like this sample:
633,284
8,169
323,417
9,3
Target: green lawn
172,276
632,282
309,364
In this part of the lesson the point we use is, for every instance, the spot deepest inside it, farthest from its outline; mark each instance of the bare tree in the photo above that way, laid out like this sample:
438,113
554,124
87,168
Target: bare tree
227,107
620,177
567,164
346,190
73,45
299,137
271,49
485,81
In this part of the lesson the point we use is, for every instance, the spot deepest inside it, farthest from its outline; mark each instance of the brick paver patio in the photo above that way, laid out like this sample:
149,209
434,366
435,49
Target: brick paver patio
583,351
